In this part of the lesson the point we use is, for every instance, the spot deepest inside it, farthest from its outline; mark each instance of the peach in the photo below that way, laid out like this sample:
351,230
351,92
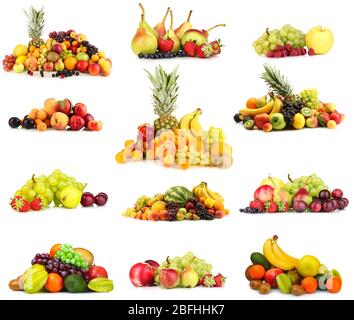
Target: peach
51,106
59,121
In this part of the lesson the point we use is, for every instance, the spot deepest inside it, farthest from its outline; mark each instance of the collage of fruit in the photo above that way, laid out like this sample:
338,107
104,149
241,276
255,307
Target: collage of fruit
176,142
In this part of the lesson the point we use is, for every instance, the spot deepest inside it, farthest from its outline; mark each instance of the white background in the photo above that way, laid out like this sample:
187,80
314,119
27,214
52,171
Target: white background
220,86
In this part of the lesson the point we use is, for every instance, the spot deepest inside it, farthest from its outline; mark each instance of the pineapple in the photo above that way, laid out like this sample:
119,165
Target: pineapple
164,96
35,21
278,84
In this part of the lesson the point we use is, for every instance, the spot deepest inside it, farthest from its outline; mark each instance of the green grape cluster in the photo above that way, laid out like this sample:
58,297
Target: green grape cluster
67,254
310,98
48,188
279,37
200,266
142,202
312,183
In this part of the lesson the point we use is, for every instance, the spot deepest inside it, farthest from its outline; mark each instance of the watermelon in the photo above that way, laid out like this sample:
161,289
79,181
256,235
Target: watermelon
178,194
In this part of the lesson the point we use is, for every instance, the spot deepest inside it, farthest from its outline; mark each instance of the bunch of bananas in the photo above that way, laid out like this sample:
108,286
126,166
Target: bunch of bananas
276,256
191,123
203,191
274,105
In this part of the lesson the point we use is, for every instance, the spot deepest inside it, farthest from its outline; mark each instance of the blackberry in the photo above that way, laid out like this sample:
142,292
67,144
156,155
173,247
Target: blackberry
172,209
251,210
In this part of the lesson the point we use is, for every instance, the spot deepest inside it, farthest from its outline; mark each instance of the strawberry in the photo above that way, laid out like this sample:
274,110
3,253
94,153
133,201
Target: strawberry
190,48
204,51
216,46
271,207
19,204
208,281
257,204
165,44
283,206
260,120
36,204
219,280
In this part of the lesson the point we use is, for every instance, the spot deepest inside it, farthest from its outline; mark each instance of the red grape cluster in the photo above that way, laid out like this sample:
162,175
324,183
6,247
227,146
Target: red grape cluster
9,62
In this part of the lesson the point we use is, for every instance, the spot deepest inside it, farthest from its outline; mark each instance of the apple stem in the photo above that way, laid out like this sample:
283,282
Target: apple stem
267,31
289,178
33,178
164,18
218,25
189,15
168,261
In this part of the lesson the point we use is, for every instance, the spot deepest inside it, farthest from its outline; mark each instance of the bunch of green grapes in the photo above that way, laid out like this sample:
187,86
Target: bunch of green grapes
142,202
59,180
312,183
67,254
200,266
273,38
310,98
37,188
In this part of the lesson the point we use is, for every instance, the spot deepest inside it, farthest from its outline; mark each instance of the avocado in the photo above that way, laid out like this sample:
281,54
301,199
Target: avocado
75,284
258,258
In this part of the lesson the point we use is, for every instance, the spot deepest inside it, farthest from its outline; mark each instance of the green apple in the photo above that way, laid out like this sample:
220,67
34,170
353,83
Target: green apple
277,121
70,197
18,67
320,39
82,56
281,195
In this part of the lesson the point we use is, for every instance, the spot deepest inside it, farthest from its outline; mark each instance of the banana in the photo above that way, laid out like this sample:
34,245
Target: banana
194,124
276,256
202,190
214,195
196,190
278,104
253,112
185,121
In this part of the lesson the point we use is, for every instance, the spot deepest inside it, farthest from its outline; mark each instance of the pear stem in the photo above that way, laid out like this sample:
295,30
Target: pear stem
171,14
289,178
142,18
142,9
218,25
166,14
189,15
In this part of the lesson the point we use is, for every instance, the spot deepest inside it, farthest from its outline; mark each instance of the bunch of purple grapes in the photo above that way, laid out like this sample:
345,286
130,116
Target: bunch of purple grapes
57,266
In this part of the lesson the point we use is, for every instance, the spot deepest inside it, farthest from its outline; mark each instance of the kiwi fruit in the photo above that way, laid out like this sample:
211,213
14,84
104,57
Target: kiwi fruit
306,112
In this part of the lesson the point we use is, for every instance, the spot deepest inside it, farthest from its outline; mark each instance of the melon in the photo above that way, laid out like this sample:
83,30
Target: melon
178,194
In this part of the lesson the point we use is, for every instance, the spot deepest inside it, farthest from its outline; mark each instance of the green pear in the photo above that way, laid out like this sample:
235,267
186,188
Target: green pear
189,278
281,195
160,27
198,36
185,26
143,41
145,25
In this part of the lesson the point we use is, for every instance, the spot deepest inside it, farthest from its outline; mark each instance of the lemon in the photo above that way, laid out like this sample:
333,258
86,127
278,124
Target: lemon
308,266
20,50
21,59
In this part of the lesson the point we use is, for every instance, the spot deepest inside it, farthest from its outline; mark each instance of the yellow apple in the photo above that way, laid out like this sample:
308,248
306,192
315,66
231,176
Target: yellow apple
320,39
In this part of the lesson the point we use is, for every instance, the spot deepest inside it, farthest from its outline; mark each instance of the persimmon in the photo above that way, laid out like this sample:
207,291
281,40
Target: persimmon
55,282
251,103
309,284
334,284
54,249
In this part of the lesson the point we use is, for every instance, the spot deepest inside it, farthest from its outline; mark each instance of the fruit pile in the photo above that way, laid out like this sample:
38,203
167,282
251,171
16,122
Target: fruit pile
64,191
307,193
65,53
159,43
291,42
276,269
179,203
175,143
64,268
282,109
59,115
180,272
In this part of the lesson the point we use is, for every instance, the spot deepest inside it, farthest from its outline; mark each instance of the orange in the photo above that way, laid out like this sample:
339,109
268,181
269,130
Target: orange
334,284
55,282
251,103
54,249
70,63
309,284
218,205
256,272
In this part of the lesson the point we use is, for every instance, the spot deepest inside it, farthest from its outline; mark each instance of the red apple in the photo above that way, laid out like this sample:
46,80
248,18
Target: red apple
76,123
94,69
82,66
89,117
80,110
152,263
57,48
97,272
142,275
264,193
48,66
94,125
169,278
65,106
270,276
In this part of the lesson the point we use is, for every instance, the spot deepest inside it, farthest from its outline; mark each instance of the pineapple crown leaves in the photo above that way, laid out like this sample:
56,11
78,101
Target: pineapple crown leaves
165,90
276,81
35,22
